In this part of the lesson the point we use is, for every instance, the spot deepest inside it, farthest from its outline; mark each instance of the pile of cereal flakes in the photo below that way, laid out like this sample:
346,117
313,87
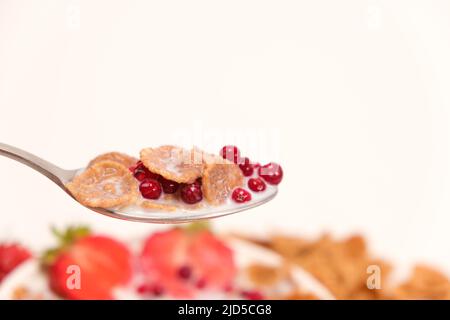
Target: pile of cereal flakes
342,266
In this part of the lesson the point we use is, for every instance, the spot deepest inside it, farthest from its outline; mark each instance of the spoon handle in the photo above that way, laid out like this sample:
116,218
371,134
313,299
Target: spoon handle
51,171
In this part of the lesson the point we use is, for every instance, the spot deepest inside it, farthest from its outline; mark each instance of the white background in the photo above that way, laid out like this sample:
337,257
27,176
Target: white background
352,96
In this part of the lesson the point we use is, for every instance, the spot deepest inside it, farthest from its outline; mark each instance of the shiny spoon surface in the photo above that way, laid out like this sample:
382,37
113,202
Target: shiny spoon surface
61,177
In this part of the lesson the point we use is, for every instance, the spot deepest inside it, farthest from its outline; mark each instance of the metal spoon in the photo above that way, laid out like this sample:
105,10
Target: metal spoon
62,176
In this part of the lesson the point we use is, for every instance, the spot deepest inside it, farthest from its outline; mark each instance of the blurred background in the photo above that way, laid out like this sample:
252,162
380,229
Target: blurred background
351,97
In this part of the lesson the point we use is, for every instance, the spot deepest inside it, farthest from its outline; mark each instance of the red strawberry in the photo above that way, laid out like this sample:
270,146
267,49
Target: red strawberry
162,255
11,256
212,259
178,259
162,250
103,264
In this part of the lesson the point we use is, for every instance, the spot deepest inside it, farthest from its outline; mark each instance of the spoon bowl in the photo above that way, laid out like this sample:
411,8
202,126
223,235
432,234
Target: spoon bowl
132,213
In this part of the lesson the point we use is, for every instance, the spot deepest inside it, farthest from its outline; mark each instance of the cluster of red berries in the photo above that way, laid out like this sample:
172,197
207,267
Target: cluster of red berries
270,173
152,185
185,274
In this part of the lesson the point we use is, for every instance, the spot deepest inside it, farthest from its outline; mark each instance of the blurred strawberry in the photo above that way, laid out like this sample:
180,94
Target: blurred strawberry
104,263
182,258
11,256
161,257
163,251
212,259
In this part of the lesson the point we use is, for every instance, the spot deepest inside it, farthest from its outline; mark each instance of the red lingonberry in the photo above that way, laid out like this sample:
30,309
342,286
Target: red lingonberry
184,272
256,184
230,153
246,167
241,195
200,284
191,193
141,173
252,295
150,189
150,289
169,186
271,172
